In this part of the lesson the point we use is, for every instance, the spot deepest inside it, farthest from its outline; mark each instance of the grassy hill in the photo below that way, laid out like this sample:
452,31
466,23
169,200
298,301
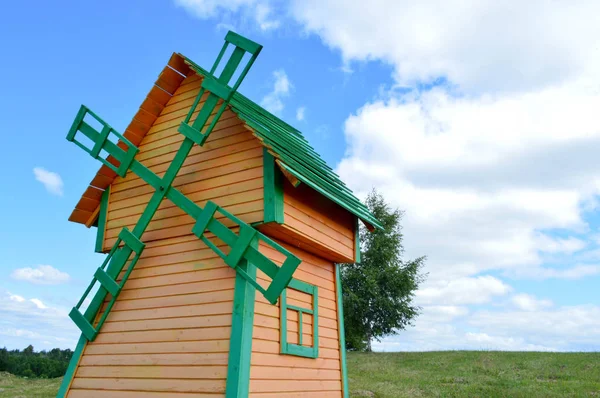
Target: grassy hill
474,374
13,386
432,374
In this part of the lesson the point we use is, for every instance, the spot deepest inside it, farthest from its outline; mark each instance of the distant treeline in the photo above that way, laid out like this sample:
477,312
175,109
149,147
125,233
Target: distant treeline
27,363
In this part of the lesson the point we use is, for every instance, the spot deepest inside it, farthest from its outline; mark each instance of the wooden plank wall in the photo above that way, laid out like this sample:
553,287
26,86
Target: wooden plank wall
316,224
168,333
275,375
227,169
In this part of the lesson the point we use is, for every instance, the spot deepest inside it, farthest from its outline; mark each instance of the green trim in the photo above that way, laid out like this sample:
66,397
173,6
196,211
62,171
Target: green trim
273,189
356,242
102,214
66,381
340,308
280,276
242,323
300,349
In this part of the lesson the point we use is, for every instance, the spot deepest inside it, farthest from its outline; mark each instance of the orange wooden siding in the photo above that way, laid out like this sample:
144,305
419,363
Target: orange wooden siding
278,375
168,332
315,224
228,169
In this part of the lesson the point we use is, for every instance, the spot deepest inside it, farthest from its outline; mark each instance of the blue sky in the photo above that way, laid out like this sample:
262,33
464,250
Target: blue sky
487,140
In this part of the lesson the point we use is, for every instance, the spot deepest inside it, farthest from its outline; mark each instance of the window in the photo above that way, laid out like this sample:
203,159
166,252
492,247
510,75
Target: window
299,320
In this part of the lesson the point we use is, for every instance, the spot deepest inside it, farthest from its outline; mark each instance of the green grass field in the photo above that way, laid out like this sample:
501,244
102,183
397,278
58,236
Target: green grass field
19,387
432,374
474,374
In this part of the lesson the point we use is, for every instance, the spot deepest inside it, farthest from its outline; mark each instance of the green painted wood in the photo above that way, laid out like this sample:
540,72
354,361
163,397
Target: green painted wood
102,214
280,276
356,242
101,141
245,238
83,324
242,42
68,378
218,87
301,350
342,333
272,190
107,282
240,346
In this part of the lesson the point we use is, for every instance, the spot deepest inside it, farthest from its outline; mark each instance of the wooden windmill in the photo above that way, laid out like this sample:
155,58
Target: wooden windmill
204,200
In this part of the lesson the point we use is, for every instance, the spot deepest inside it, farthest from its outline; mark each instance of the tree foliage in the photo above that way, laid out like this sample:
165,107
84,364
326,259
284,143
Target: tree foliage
28,363
378,292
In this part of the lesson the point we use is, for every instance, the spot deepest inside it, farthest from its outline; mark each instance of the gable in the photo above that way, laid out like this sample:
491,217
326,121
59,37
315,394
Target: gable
228,170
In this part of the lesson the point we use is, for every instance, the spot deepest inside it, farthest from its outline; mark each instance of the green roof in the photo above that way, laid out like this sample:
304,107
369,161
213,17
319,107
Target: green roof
295,153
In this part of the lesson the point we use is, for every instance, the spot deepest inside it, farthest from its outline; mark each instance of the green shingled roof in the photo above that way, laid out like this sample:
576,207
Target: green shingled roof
295,154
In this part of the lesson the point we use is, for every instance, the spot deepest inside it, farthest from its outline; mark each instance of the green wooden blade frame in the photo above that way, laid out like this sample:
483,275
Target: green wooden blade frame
107,282
241,248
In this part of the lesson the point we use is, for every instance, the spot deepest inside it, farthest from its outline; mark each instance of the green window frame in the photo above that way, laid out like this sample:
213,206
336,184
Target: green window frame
301,349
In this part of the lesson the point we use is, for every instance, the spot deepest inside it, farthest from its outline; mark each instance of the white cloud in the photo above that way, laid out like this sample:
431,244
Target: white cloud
527,302
480,177
478,45
260,12
42,275
575,272
553,329
485,341
16,298
478,290
26,321
282,86
264,17
567,327
51,180
548,244
300,113
38,303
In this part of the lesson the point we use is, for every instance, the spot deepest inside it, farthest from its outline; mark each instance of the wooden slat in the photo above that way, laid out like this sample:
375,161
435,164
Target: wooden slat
154,372
159,348
173,301
294,385
93,217
275,373
159,96
80,216
169,80
301,394
218,358
87,204
93,193
222,308
101,181
178,63
289,361
152,107
78,393
151,336
145,117
216,386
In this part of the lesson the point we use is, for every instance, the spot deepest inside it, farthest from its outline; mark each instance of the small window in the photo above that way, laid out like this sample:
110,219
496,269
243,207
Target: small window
299,320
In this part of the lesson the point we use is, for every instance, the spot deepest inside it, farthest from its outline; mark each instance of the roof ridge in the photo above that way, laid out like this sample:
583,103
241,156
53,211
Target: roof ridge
295,152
